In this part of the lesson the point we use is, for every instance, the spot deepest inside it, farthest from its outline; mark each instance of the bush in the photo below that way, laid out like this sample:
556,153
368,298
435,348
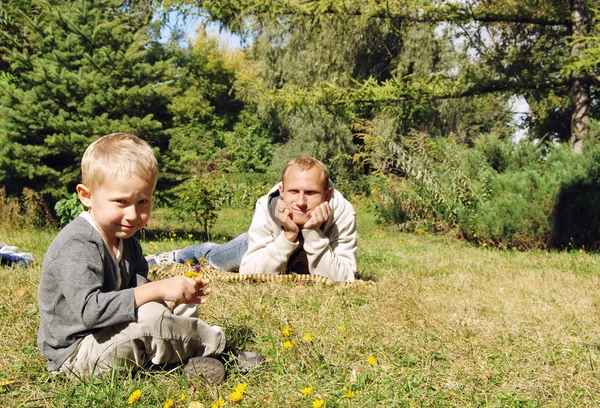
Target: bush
67,208
520,196
28,211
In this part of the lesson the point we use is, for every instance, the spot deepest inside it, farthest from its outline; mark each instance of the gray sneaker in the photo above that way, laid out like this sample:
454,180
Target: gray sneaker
243,360
211,369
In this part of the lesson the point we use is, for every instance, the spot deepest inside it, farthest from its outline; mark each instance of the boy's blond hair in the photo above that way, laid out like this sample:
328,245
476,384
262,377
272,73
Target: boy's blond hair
118,155
305,163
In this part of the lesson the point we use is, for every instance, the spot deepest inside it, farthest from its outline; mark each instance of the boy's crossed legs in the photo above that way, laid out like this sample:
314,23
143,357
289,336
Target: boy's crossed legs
158,336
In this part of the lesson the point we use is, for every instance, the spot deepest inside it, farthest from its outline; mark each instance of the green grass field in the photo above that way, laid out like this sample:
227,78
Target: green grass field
444,324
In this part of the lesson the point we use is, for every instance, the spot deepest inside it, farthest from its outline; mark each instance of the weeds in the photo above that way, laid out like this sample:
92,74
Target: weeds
446,324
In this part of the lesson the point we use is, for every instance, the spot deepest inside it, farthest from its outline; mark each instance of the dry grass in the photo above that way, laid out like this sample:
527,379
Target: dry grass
449,325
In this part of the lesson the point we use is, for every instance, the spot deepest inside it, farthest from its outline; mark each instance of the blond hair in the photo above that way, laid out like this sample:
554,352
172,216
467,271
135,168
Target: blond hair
118,155
306,163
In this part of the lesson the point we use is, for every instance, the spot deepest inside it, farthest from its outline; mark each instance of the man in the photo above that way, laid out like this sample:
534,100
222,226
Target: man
302,225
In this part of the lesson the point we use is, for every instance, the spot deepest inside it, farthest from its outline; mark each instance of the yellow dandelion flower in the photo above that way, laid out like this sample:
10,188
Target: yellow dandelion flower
182,397
308,336
172,239
372,360
202,260
190,236
306,391
348,394
340,329
236,396
287,331
581,251
318,403
135,396
219,403
169,403
241,387
288,345
484,245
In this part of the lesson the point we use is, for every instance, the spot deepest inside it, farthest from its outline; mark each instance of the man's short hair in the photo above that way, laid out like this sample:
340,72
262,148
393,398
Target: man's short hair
305,163
118,155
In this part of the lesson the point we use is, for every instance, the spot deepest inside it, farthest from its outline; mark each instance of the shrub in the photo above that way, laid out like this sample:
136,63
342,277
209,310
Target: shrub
28,211
67,208
499,193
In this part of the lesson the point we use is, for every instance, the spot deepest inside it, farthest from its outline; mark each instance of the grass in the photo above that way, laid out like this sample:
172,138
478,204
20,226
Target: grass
445,324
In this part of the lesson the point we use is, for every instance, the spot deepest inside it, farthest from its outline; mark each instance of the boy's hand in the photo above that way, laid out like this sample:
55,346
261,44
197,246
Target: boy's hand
173,291
181,290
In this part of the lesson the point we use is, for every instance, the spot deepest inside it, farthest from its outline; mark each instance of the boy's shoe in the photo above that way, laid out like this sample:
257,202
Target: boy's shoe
211,369
243,360
164,258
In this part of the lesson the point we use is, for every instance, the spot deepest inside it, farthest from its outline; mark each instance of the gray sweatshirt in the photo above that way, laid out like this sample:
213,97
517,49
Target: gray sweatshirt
79,292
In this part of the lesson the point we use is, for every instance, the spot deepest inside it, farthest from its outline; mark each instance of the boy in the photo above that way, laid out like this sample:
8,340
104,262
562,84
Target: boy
98,311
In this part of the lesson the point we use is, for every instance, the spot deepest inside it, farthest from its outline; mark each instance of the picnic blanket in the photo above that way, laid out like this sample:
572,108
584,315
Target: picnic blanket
10,255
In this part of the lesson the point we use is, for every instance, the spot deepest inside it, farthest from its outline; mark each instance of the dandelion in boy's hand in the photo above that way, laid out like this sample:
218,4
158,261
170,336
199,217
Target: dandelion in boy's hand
288,345
348,394
169,403
318,403
287,331
219,403
308,336
372,360
306,391
135,396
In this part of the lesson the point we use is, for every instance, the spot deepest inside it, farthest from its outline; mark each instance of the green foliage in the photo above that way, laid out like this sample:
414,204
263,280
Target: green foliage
67,208
88,69
202,198
204,106
29,210
498,193
250,145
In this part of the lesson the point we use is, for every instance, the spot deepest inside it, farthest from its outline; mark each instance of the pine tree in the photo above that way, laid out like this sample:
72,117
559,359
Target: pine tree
90,68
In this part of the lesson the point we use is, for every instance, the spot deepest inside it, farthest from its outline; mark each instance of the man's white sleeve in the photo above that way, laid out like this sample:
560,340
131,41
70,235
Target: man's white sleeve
268,249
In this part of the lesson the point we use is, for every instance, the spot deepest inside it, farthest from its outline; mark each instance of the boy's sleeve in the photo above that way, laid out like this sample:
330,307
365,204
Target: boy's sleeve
92,298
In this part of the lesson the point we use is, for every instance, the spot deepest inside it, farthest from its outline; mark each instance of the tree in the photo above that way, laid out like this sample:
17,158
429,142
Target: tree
90,68
525,48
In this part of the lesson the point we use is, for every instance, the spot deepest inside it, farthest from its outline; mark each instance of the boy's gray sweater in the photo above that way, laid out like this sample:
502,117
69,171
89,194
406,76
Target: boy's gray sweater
78,292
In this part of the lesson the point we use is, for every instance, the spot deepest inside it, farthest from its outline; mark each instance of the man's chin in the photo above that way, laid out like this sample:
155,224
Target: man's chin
300,220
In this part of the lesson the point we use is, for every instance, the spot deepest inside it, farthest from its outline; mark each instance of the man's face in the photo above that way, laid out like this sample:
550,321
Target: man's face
303,191
120,207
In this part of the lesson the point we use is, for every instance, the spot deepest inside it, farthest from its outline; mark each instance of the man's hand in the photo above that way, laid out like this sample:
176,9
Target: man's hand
284,214
318,216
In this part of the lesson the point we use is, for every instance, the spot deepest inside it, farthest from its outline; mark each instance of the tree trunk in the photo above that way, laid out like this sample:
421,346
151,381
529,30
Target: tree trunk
580,88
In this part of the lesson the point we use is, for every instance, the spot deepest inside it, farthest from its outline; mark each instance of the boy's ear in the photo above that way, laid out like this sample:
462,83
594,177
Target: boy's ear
84,195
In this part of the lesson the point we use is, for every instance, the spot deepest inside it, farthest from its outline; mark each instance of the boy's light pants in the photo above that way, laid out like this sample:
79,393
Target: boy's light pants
158,336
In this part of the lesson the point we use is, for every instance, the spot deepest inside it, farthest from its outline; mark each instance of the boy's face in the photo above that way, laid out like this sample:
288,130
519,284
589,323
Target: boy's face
302,192
119,206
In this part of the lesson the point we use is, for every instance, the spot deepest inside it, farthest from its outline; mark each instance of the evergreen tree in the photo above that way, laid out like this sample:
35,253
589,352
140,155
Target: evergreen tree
90,68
